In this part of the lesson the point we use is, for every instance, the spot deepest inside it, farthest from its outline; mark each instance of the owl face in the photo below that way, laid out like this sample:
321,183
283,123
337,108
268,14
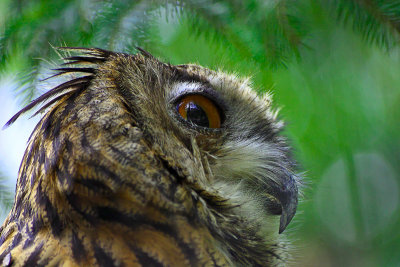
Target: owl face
213,130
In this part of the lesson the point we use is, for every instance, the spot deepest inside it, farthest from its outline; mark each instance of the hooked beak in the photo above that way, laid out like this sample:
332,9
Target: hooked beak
286,195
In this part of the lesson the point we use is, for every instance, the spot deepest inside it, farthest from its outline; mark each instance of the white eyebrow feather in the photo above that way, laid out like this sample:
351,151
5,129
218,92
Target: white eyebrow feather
186,87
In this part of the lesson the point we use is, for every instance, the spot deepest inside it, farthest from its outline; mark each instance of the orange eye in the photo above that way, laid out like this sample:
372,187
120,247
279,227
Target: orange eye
199,110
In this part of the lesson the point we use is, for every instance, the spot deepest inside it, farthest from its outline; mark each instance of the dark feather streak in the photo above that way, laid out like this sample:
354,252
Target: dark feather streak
83,60
102,257
51,212
85,70
35,256
78,249
145,259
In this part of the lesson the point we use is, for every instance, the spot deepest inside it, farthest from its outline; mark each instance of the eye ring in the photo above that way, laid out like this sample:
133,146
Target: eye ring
199,110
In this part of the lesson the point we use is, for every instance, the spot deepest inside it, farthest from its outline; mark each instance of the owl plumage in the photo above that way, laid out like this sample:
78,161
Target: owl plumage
116,175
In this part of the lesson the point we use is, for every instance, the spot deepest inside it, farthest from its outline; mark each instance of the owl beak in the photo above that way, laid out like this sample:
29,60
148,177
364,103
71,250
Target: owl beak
287,194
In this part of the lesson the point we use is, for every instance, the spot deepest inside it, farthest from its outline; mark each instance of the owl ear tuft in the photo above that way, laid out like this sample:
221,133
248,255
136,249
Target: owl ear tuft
88,56
145,53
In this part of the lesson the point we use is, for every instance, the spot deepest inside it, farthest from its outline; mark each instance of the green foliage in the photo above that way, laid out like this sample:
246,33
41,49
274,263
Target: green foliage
6,197
264,32
272,32
377,20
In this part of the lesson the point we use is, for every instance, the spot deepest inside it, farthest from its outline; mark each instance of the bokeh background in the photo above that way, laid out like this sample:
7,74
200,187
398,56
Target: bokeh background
333,67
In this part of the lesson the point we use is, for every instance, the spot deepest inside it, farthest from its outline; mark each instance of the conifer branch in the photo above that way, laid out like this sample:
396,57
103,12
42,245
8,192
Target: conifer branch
377,21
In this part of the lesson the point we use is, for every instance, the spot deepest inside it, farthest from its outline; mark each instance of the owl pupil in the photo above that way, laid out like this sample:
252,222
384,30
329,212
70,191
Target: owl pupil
196,115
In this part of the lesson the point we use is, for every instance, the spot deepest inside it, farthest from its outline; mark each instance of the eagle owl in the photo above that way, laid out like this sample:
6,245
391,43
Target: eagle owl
137,162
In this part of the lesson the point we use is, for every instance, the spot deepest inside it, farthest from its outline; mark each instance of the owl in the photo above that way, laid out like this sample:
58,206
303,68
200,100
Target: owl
137,162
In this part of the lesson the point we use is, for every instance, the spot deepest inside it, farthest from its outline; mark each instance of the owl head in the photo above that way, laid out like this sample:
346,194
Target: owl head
183,138
213,129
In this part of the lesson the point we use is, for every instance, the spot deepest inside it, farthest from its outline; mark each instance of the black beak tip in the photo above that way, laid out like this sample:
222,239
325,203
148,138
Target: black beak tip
284,222
288,197
288,212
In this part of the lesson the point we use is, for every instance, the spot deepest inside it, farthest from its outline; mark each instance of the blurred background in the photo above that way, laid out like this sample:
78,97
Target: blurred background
333,67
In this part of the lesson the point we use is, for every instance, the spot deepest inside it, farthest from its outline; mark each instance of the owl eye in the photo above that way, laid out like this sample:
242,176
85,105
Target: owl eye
199,110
